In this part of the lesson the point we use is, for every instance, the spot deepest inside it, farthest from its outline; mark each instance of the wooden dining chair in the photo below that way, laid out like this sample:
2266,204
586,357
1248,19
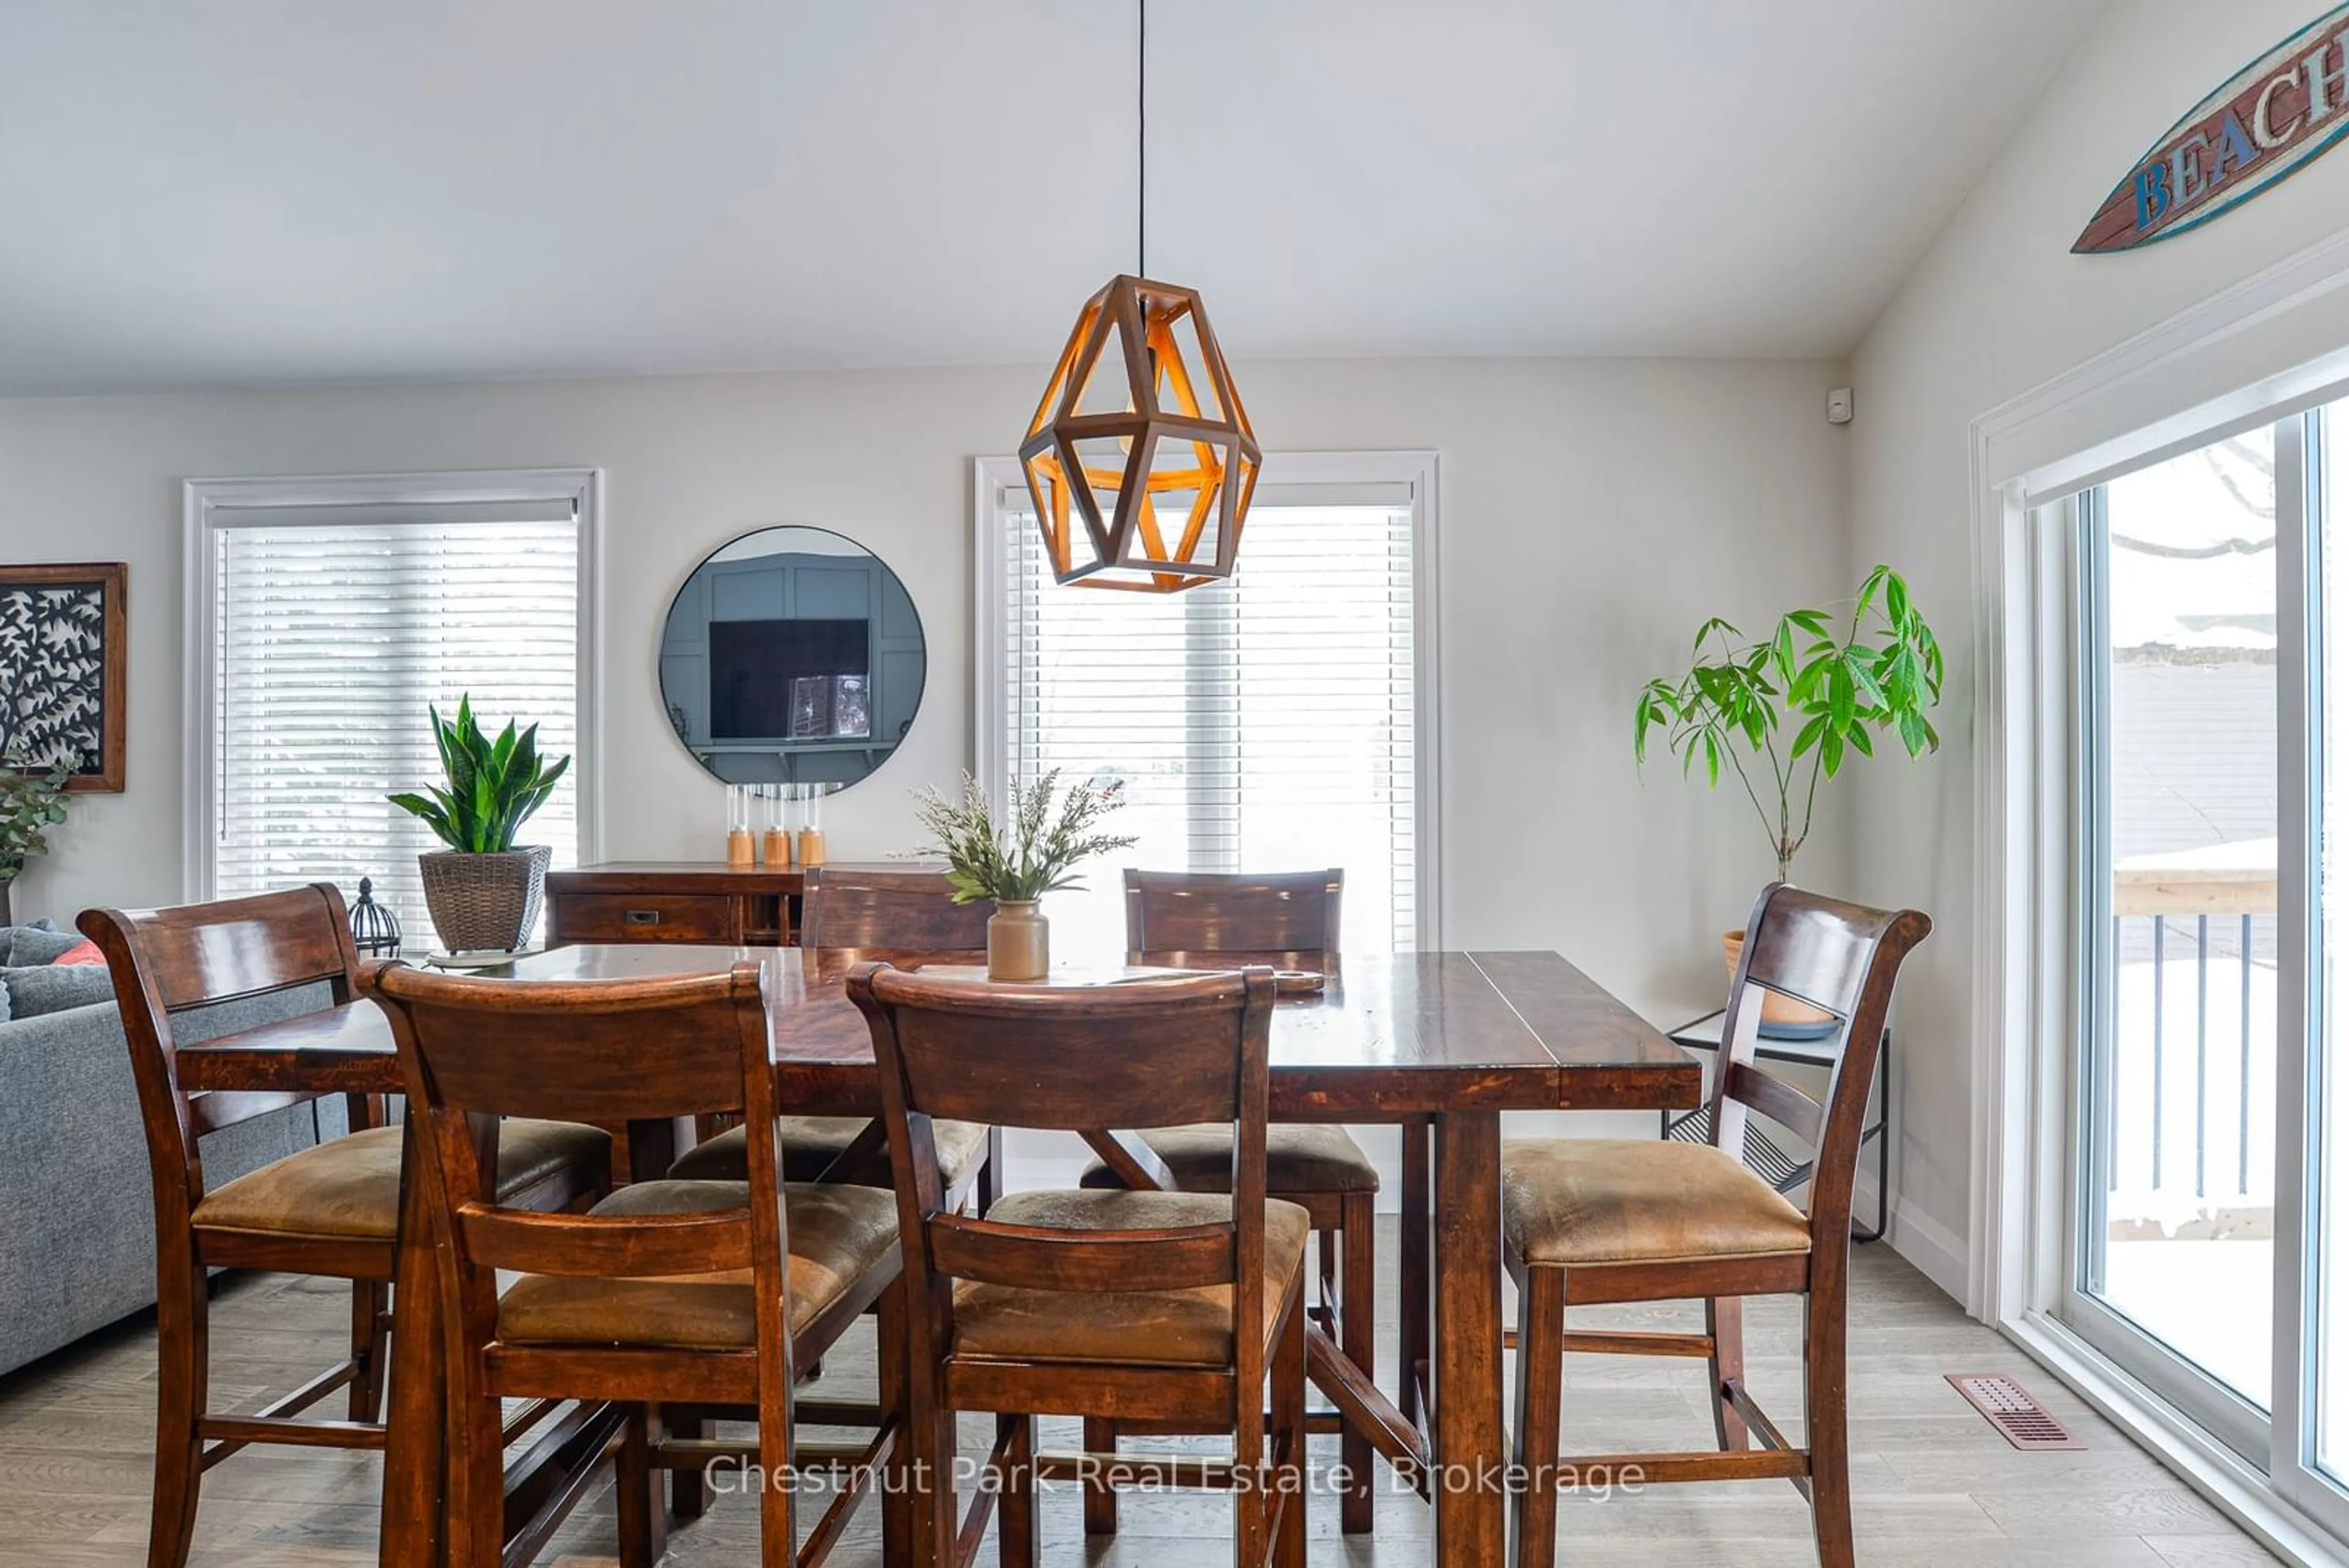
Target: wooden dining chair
851,913
707,1293
1202,920
1588,1221
1158,1306
331,1209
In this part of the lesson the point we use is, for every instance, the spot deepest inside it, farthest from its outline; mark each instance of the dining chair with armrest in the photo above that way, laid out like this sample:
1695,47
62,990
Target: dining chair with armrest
332,1209
850,913
1290,921
706,1294
1156,1306
1588,1221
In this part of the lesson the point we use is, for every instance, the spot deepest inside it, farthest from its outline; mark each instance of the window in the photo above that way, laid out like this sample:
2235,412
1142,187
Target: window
1278,721
334,614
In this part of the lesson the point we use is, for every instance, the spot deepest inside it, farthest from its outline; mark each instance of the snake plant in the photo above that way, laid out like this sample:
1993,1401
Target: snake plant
492,786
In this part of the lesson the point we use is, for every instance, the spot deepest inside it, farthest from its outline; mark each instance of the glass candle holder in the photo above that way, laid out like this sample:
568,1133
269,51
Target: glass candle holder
741,849
775,843
811,835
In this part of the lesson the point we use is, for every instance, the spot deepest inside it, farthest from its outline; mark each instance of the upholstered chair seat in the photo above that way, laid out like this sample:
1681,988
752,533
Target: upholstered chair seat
351,1187
837,1234
1190,1327
1576,1202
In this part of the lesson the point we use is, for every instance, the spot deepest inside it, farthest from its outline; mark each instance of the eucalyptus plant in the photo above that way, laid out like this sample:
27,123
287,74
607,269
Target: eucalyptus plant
492,786
1835,680
32,801
1044,837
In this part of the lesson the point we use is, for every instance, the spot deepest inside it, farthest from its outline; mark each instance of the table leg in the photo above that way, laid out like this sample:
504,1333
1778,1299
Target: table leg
1411,1323
415,1456
1471,1449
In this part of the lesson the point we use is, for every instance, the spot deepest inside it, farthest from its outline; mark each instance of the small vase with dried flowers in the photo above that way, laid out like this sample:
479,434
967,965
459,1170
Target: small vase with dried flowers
1045,834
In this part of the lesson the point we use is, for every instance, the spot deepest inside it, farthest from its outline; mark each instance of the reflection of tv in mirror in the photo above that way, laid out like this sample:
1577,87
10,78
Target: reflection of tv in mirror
772,678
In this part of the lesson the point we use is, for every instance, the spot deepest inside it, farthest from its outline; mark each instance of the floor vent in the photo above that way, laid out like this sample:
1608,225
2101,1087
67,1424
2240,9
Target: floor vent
2005,1404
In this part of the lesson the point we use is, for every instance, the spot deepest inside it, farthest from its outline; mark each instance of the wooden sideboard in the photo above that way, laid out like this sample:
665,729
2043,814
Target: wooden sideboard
678,902
674,901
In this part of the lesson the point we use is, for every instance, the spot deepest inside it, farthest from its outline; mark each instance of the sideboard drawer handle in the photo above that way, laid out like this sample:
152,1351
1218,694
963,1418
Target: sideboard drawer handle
642,917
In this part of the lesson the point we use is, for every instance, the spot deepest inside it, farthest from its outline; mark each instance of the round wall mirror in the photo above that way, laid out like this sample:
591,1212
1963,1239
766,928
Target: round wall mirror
792,656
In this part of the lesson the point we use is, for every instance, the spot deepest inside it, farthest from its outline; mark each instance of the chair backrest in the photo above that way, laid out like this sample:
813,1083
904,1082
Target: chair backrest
166,963
904,917
1842,958
1085,1059
1189,919
475,1049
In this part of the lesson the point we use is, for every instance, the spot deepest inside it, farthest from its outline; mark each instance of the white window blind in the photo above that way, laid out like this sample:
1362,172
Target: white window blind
333,629
1263,723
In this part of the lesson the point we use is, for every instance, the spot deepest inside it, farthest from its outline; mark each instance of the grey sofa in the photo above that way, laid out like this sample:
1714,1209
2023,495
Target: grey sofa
76,1213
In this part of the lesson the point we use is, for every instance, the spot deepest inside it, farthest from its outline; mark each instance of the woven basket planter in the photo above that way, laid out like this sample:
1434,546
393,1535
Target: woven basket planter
485,902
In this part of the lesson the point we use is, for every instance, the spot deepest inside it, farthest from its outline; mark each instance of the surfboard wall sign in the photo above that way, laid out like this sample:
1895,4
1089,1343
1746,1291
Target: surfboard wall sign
2274,117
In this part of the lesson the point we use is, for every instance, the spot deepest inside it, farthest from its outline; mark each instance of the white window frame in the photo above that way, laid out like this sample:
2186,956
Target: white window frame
2238,359
204,499
993,477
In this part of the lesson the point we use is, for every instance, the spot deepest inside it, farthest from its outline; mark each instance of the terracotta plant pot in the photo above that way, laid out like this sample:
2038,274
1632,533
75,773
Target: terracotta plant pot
485,903
1777,1012
1018,941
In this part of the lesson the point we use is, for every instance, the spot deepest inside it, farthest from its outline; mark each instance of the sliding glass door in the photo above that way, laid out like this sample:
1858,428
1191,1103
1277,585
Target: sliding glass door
2209,1253
2179,1240
2317,1137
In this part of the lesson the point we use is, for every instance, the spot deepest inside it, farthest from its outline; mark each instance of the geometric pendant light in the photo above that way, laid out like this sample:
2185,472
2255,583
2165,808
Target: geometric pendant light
1140,458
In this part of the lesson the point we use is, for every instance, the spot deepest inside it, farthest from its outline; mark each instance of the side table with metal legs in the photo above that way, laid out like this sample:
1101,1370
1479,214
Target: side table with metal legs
1770,1159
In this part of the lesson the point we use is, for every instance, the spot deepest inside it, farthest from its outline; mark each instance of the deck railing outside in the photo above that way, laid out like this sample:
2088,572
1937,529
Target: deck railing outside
2189,1115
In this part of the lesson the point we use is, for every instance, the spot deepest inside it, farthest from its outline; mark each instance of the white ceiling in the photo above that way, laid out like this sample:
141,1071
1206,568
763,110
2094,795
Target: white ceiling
282,192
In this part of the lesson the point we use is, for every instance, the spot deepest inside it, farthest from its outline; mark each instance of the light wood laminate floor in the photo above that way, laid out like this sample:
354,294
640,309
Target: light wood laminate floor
1932,1483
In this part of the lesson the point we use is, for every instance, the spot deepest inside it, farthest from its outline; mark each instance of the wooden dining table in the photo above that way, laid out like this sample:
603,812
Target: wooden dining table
1438,1042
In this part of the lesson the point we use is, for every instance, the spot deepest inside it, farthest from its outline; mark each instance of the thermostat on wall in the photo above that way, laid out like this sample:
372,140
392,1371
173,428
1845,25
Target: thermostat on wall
1839,406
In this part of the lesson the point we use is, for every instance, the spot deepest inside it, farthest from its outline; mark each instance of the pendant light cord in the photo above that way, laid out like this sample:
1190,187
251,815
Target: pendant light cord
1141,139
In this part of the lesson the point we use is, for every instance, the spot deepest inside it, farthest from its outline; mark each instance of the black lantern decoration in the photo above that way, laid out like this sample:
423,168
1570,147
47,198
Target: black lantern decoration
375,929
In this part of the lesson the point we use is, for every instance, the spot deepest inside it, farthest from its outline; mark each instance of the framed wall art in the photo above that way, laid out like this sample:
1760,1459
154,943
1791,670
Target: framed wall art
64,661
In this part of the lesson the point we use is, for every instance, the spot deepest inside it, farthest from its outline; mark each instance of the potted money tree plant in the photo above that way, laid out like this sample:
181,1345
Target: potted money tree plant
1779,713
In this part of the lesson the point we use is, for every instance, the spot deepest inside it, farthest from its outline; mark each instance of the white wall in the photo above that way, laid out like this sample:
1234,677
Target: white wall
1593,511
1997,307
